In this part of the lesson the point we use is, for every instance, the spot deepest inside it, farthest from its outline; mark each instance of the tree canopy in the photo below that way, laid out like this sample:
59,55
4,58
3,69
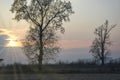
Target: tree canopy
46,18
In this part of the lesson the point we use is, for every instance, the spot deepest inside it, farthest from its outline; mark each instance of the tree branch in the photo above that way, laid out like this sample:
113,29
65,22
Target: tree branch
52,19
33,20
111,28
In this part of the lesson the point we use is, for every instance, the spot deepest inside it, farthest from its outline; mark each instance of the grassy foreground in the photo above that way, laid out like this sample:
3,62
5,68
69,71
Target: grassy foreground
59,76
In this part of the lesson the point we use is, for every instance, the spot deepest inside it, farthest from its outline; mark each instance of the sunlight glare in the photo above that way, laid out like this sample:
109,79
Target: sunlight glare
13,43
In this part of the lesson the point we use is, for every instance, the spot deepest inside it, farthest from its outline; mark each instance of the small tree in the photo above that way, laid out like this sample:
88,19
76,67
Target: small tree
101,43
42,14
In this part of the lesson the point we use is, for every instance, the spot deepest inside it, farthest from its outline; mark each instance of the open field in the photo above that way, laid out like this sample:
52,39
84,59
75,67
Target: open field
59,72
60,77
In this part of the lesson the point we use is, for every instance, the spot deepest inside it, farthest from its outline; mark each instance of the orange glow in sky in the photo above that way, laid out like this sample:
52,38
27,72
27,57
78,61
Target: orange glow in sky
14,43
12,39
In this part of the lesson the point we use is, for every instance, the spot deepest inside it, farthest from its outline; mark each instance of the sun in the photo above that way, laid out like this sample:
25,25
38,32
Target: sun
13,43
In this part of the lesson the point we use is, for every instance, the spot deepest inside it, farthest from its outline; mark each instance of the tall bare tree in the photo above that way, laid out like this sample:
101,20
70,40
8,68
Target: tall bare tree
50,45
99,48
42,14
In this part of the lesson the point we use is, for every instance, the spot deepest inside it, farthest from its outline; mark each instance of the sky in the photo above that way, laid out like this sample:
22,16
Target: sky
79,32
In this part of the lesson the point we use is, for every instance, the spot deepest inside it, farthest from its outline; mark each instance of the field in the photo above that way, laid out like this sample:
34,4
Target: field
60,72
60,77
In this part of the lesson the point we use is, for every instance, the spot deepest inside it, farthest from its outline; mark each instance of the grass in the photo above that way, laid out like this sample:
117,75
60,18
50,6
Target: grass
58,69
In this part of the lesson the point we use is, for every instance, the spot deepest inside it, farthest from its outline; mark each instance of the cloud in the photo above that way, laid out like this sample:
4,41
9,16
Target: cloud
3,40
4,36
10,55
4,31
1,31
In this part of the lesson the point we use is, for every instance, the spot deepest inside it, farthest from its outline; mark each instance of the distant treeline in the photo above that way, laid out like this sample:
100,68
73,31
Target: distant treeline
80,66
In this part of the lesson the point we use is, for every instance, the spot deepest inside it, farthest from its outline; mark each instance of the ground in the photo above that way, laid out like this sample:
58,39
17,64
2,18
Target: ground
60,77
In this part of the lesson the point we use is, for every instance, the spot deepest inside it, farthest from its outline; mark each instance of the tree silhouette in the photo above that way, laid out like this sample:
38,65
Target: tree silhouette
42,14
101,43
50,46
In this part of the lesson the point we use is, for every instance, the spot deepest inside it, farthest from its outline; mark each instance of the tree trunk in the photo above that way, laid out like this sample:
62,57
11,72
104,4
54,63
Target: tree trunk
40,58
40,49
103,61
102,53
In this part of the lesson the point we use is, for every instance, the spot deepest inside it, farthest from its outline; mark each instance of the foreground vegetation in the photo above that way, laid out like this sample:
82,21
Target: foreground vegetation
64,68
60,77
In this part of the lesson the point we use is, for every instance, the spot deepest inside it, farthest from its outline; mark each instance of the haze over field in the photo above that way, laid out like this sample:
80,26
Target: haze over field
78,36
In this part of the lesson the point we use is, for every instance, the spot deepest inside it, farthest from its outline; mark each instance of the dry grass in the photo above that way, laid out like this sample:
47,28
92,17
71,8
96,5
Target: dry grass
60,77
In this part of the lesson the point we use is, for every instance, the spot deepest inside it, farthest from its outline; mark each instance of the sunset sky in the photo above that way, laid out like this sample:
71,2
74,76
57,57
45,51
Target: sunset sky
79,32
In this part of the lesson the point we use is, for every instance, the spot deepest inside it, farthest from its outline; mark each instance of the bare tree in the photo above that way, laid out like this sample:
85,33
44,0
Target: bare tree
101,43
42,14
50,45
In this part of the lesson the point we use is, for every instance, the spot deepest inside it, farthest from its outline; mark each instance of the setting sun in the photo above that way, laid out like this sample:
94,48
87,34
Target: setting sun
13,43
